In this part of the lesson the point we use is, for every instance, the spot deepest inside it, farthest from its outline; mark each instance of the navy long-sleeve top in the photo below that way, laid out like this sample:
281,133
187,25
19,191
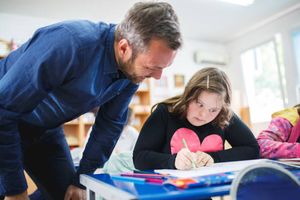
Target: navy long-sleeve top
63,71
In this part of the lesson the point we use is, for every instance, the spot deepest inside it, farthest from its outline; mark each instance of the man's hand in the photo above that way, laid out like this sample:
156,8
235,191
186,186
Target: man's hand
75,193
22,196
203,159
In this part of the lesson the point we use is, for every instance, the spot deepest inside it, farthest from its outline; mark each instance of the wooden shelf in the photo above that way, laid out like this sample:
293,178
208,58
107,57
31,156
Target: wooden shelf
76,131
245,116
142,91
72,123
6,47
141,104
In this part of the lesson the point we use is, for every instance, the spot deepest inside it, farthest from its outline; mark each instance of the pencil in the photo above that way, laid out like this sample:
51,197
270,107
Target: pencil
156,176
185,146
154,180
128,179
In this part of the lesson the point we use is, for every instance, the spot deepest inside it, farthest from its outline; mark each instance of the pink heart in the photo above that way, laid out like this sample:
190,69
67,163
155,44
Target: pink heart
210,143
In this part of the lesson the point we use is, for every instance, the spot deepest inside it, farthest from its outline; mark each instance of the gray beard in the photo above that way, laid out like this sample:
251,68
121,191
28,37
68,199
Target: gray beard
125,67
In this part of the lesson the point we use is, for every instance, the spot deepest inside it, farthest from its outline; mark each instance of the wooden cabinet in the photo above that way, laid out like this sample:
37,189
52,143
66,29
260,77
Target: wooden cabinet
245,116
76,131
141,104
6,47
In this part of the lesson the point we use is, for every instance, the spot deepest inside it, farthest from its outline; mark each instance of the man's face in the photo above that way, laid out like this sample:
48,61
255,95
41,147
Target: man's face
147,64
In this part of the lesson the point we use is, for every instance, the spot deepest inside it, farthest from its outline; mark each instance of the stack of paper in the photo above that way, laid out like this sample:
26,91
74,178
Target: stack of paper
214,169
290,161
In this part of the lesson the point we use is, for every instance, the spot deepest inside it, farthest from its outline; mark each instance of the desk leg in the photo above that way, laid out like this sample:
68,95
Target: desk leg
90,195
220,198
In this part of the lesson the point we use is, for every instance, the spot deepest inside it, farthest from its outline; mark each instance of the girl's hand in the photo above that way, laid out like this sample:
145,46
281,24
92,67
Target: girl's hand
203,159
184,159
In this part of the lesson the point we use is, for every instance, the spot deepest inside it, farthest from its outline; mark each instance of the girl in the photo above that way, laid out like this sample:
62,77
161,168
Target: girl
199,119
281,139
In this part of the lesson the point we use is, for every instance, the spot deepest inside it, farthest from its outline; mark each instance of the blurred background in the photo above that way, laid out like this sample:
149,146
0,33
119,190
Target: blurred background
256,42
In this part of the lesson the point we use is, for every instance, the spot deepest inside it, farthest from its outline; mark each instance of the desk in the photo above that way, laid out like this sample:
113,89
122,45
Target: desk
266,181
102,185
269,180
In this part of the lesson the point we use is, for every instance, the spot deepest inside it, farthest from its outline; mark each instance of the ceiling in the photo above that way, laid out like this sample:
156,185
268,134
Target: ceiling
209,20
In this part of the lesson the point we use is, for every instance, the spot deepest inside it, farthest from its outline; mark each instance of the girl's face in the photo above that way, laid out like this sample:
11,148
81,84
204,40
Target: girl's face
204,109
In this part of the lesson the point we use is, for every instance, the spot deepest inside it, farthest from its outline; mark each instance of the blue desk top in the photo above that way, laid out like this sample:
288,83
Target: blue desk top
269,181
160,191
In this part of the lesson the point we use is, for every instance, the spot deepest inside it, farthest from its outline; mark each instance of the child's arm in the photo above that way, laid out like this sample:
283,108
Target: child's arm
148,150
273,141
242,140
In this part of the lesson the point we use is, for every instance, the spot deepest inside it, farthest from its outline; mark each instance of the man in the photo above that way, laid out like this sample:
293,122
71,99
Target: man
63,71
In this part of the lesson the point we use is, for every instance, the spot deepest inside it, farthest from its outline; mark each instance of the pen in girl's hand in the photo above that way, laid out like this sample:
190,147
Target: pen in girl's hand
185,146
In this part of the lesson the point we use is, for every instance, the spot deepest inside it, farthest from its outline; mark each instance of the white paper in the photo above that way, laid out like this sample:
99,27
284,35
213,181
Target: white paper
214,169
295,162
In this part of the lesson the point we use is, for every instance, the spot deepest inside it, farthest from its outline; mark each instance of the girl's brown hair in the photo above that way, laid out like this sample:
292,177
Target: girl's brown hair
207,79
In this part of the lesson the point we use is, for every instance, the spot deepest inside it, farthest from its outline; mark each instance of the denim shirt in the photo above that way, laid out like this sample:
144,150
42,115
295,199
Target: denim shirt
63,71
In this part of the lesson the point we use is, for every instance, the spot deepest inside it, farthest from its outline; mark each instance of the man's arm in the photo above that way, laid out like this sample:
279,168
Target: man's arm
108,126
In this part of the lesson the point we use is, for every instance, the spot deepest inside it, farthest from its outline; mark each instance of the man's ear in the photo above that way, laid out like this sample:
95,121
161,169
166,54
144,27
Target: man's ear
125,50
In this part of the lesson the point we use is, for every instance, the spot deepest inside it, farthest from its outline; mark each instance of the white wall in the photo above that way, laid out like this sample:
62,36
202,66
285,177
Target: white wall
20,28
284,25
184,62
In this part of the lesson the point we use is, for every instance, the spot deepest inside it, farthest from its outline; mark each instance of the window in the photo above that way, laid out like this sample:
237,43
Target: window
296,45
264,79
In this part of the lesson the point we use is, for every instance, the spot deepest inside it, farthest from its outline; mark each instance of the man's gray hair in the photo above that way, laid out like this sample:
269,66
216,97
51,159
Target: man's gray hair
150,20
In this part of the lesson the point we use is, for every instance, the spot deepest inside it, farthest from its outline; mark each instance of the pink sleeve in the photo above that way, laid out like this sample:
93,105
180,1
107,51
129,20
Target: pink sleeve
273,141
